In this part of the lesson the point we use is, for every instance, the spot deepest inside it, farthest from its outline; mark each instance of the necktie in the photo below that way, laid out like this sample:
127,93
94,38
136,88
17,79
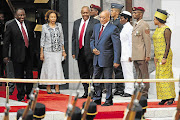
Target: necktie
25,36
81,35
101,31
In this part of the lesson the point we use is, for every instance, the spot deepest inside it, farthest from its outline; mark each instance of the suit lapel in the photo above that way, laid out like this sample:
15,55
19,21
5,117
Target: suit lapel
89,24
17,28
78,25
104,31
98,31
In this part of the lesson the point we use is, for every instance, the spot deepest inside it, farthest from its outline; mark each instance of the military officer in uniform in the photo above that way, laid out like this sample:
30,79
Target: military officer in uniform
95,10
115,15
141,46
115,19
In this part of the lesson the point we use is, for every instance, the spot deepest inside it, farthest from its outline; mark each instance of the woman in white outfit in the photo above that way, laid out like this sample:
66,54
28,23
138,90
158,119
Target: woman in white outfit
126,47
52,50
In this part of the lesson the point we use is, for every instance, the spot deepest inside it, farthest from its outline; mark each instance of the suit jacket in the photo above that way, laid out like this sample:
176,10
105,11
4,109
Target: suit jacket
14,37
108,44
87,36
141,41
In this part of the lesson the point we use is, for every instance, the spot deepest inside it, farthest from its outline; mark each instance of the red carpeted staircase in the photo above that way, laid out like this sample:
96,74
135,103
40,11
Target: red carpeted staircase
58,102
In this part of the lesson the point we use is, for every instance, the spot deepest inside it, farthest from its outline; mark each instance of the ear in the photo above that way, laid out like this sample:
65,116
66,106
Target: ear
142,14
126,19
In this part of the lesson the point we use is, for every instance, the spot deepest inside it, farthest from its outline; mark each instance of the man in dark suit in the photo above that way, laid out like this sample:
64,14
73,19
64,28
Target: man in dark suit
19,34
2,24
106,46
115,20
82,31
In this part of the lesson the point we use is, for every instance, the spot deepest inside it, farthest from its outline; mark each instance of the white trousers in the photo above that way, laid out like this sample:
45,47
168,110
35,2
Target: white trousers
127,68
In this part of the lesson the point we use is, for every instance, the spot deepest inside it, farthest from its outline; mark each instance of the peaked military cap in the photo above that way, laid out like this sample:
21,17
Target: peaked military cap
143,103
92,110
39,112
126,13
118,6
28,117
77,114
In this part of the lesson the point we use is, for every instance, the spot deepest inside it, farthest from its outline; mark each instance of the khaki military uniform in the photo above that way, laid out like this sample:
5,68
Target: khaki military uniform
97,17
141,48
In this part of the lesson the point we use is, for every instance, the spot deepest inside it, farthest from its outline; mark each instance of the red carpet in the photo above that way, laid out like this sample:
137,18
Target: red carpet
59,102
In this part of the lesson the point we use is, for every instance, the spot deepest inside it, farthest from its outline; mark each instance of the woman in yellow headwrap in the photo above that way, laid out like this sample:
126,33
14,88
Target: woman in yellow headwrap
163,58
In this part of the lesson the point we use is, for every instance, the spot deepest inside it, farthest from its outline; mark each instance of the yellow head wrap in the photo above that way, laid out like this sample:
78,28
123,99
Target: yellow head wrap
160,15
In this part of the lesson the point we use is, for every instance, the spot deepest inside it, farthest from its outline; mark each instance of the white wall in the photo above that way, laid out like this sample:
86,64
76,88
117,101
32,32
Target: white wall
173,8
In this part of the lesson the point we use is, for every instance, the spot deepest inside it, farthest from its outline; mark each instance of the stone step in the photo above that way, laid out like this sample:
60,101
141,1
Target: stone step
152,114
55,115
160,113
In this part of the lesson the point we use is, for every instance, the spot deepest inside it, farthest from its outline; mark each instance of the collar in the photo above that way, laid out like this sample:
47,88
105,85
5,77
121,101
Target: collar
86,20
139,21
105,24
48,27
18,21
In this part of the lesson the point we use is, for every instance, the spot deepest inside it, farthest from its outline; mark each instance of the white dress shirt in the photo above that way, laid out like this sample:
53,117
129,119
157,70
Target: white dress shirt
126,41
23,24
104,26
80,27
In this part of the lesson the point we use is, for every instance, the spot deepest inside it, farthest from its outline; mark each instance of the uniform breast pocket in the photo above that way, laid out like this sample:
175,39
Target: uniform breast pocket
137,33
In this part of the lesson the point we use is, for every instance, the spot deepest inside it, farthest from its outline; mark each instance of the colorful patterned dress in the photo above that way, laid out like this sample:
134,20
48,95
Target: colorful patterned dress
165,90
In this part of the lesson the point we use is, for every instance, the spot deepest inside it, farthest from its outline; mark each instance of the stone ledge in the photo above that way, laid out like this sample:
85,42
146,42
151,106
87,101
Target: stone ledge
160,112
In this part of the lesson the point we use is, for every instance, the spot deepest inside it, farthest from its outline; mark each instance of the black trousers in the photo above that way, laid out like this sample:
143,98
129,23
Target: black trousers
85,65
107,74
23,71
119,75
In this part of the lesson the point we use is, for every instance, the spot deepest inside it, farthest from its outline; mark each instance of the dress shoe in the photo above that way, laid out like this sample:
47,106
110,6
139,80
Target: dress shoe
84,96
163,102
21,100
126,95
57,92
116,92
50,92
171,101
98,102
107,103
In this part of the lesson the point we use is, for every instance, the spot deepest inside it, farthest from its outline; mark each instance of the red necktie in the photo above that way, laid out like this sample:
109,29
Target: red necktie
81,35
25,36
101,31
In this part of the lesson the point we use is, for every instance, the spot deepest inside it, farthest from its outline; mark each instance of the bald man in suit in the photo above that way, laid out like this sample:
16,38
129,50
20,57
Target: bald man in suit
82,31
106,46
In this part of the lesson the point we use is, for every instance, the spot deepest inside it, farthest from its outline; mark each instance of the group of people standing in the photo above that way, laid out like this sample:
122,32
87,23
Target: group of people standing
110,47
103,43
